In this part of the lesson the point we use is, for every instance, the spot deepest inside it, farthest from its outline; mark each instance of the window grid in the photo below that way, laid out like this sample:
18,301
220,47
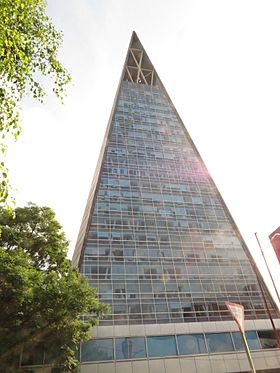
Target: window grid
37,356
206,345
159,223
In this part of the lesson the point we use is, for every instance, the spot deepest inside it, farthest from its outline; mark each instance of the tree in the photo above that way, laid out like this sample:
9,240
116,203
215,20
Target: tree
29,44
41,295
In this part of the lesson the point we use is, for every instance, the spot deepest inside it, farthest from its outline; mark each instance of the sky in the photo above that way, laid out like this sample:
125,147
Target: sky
219,61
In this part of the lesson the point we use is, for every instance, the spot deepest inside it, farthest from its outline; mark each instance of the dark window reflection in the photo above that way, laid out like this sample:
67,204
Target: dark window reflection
267,339
219,342
191,344
252,340
96,350
130,348
161,346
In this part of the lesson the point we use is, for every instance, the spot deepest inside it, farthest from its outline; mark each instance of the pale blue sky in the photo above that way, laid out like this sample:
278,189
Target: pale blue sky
219,61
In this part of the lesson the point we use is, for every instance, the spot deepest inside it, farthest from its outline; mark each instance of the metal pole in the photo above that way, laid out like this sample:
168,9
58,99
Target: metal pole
248,352
268,268
275,331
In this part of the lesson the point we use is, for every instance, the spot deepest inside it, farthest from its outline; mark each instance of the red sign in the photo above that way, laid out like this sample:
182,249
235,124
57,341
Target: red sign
237,312
275,242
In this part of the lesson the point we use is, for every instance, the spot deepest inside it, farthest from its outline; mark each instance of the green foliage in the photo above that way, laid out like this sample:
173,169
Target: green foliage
41,295
29,44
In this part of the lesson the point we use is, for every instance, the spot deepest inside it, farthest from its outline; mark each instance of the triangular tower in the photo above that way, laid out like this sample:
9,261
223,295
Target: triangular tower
157,240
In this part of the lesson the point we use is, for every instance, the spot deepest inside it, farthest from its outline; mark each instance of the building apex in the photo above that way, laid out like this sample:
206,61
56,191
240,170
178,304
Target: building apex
138,67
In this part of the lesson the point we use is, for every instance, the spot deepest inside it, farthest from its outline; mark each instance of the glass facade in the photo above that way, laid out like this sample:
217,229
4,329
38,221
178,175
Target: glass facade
219,342
160,346
252,340
137,348
267,339
94,350
189,344
130,348
160,245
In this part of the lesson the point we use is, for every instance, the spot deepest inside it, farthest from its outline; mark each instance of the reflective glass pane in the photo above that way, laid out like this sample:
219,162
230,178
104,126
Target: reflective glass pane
219,342
191,344
130,348
252,340
96,350
267,339
161,346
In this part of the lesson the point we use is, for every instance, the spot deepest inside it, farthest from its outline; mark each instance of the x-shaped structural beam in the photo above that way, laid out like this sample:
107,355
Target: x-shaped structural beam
135,71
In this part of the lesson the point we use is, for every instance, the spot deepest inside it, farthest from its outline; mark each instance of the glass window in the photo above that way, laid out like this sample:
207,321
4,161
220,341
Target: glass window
96,350
267,339
252,340
191,344
163,345
219,342
33,355
130,348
